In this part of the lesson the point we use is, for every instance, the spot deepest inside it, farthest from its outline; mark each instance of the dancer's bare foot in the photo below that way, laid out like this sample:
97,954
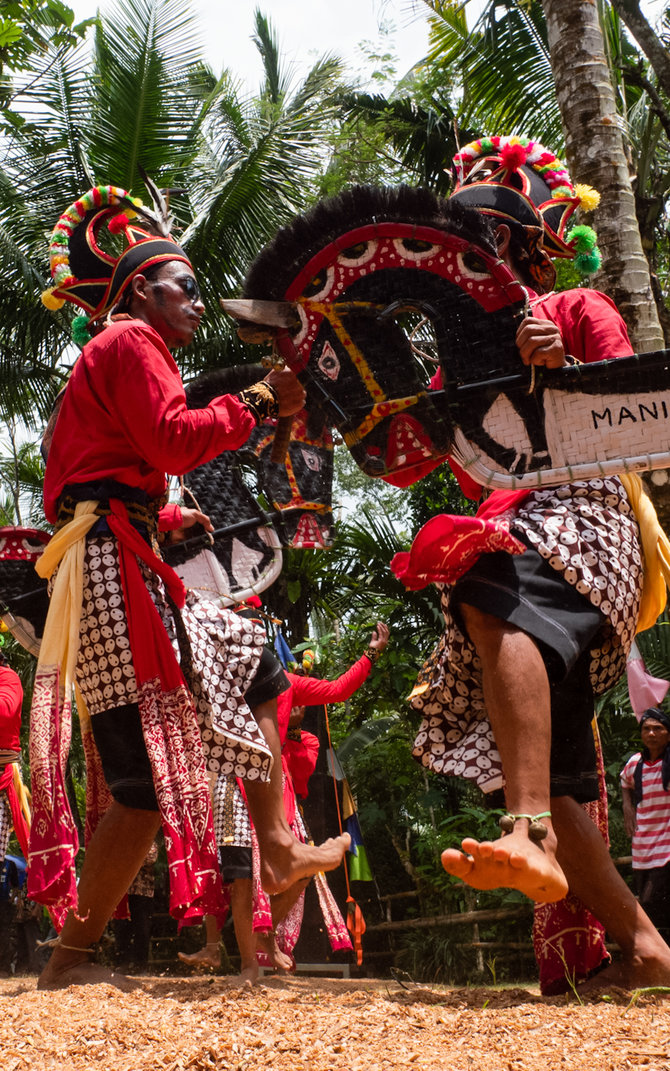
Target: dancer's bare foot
287,860
248,976
511,862
207,956
83,973
267,945
647,967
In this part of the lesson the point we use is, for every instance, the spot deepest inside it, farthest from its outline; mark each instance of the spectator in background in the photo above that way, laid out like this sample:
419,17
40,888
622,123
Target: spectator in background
645,783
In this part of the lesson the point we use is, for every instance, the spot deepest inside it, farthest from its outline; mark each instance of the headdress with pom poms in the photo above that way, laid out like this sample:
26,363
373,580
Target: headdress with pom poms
91,276
517,178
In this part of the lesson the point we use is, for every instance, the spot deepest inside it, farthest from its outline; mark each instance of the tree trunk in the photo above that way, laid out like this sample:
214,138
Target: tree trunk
647,38
595,155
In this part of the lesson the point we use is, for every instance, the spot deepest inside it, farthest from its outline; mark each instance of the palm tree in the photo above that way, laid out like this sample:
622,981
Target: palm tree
258,163
89,118
596,155
143,97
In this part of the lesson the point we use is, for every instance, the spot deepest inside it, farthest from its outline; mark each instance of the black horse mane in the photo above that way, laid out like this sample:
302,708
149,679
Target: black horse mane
277,264
200,391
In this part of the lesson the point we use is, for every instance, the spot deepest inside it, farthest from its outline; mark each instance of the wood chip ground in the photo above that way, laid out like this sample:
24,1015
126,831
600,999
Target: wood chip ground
316,1024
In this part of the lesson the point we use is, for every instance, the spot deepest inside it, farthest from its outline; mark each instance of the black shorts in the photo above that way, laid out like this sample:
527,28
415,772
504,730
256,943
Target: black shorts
524,591
235,862
120,741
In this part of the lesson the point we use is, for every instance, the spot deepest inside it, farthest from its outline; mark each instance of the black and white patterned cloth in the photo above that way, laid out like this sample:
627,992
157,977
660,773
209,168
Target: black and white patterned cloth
225,652
5,825
232,825
588,532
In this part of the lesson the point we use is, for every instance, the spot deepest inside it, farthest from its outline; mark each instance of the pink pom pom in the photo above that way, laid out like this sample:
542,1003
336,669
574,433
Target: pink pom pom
513,156
118,223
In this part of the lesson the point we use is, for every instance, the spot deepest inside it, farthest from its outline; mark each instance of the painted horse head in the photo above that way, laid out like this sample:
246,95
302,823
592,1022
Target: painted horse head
360,270
340,291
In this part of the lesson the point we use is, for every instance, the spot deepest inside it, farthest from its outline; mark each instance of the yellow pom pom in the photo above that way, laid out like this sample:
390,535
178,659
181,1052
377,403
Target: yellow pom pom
589,199
52,302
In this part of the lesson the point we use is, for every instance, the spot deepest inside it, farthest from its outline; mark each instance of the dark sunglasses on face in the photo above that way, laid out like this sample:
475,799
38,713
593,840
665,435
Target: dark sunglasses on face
189,286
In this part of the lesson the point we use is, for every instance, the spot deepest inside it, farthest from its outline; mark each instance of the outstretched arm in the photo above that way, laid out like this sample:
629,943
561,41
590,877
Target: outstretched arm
308,690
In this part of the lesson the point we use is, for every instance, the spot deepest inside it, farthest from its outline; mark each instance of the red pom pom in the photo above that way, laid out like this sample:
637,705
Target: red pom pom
513,156
118,223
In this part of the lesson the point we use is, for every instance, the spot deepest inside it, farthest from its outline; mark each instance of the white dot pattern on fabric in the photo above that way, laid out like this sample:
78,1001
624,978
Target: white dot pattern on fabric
226,650
588,532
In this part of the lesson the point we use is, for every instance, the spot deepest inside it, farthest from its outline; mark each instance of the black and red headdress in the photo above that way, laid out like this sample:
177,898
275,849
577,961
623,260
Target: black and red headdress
518,180
99,244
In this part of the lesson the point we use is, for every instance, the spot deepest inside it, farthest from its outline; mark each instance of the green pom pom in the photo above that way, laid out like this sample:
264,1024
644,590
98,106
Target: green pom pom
588,263
486,144
583,238
80,333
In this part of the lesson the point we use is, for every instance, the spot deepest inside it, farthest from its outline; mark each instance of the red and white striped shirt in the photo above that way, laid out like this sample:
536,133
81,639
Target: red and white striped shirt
651,839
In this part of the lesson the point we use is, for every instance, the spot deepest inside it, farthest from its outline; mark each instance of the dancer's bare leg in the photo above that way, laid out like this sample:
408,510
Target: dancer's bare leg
241,905
210,954
284,859
516,693
592,876
113,857
267,941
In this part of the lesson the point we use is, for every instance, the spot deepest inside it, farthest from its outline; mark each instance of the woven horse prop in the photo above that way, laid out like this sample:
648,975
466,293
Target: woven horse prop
244,555
340,291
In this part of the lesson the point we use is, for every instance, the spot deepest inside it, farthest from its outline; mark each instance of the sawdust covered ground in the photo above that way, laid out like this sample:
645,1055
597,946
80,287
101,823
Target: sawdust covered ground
314,1024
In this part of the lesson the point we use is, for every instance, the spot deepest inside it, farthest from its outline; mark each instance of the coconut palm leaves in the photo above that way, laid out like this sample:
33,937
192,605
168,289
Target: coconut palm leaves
504,65
257,167
142,97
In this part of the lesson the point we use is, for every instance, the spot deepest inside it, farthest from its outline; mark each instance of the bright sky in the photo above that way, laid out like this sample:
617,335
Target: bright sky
305,30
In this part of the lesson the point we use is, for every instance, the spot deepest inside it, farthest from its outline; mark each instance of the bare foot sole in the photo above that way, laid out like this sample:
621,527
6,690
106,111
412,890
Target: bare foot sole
207,956
270,950
512,862
290,862
85,974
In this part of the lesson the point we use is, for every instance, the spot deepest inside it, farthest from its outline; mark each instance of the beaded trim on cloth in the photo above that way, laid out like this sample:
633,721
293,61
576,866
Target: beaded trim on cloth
262,400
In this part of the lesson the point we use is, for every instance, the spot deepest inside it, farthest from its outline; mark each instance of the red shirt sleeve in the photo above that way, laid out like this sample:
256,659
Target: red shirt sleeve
149,403
169,517
124,417
308,691
590,324
11,698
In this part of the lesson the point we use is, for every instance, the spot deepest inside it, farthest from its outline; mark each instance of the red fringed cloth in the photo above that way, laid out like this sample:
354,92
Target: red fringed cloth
169,724
21,827
568,940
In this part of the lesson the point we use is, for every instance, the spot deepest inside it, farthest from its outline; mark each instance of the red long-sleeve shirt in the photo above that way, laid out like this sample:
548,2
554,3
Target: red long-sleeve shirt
309,691
124,417
11,698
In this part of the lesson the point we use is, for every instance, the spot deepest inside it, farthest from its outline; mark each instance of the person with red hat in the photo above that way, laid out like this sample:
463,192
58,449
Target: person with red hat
531,636
164,682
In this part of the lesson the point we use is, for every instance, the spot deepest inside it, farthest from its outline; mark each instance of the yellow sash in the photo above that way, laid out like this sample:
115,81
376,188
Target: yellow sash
656,550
